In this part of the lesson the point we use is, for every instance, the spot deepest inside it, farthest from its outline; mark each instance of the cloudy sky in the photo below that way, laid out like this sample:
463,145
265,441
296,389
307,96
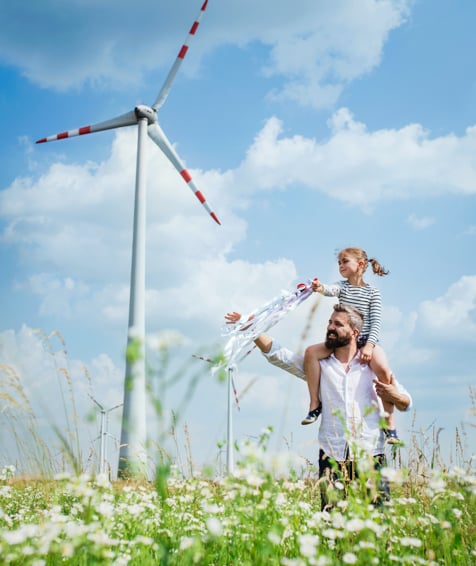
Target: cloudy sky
309,126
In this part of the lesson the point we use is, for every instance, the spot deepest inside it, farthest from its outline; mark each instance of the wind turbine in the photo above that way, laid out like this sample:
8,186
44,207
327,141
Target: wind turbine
132,456
103,433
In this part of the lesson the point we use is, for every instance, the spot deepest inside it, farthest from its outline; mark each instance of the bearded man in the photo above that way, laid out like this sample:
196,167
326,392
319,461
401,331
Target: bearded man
349,391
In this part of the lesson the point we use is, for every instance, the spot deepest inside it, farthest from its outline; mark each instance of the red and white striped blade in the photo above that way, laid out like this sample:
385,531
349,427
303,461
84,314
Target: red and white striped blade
127,119
164,91
157,135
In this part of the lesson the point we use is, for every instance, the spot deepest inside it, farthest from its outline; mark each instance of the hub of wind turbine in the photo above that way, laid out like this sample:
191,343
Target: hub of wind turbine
144,111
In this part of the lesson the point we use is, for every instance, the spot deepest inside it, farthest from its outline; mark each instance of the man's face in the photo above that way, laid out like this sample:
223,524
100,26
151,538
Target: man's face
339,333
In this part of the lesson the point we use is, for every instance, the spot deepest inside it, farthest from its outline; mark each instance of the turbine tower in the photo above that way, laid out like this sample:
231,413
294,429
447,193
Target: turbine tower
132,456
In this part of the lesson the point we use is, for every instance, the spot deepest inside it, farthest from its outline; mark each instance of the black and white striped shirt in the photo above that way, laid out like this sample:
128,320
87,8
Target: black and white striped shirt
367,300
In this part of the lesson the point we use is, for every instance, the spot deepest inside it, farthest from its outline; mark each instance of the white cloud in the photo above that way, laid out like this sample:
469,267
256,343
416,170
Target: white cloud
317,46
73,225
386,164
215,282
413,340
57,294
329,45
95,46
420,222
80,217
46,372
452,317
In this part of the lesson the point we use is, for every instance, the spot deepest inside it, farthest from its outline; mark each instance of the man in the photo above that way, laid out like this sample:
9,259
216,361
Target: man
349,390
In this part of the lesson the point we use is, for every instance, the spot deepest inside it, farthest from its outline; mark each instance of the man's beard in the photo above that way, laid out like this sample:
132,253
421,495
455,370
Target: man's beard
334,341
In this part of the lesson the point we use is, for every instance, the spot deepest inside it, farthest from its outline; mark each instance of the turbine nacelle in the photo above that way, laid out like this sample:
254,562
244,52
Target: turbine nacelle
143,111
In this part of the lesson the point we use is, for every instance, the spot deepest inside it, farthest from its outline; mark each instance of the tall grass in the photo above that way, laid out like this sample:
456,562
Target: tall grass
264,514
267,512
28,417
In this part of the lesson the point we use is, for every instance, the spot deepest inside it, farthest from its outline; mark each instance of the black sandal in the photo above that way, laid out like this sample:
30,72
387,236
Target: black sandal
391,436
312,416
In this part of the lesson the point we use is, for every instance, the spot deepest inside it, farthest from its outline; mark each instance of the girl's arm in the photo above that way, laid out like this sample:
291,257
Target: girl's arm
332,290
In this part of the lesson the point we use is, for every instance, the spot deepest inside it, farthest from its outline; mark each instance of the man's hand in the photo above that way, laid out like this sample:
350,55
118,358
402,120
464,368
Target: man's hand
389,392
263,341
232,317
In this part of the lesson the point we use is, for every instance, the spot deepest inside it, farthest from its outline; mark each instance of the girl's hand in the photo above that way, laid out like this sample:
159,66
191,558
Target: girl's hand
232,317
316,285
366,353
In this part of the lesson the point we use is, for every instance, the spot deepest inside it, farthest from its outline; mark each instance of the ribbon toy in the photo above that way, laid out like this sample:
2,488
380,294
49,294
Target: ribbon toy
242,333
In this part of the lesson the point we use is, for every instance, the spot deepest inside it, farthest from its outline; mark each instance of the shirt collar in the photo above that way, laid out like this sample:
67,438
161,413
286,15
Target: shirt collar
355,359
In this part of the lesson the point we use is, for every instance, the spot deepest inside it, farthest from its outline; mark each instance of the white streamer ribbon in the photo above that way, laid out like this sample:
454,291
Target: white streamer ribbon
242,333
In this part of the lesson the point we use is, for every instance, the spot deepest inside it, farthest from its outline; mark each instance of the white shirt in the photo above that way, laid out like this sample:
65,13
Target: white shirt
351,394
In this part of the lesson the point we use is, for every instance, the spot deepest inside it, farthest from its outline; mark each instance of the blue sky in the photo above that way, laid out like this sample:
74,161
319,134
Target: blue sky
309,126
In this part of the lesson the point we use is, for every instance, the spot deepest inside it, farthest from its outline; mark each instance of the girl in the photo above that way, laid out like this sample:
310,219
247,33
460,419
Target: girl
353,290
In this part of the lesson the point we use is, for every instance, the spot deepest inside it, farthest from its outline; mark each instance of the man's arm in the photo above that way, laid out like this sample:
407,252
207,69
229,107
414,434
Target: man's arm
274,353
281,357
264,343
394,393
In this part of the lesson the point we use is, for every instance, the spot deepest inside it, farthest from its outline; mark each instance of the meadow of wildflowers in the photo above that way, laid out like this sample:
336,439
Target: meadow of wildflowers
259,515
267,512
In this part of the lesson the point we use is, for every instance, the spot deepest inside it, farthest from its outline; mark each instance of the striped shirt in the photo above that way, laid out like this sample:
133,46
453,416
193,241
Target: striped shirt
367,300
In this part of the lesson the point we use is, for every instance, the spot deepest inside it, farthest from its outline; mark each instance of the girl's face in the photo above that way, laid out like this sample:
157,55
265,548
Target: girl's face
349,265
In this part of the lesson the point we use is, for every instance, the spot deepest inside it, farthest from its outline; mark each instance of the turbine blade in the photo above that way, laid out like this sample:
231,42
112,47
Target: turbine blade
164,91
127,119
157,135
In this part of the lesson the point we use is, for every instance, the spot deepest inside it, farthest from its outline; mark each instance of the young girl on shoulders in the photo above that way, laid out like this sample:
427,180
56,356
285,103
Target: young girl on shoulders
353,290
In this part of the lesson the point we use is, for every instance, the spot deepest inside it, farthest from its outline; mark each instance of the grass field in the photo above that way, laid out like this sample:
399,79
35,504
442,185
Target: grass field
267,512
260,515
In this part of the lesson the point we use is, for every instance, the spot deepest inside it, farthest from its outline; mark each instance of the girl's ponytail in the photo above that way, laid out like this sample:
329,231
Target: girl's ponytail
377,268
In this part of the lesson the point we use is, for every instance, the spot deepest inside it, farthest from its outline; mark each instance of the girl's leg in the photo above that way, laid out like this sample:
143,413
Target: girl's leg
379,365
312,370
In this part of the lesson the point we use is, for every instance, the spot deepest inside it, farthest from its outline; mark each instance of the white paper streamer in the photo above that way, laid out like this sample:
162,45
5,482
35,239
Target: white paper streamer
241,334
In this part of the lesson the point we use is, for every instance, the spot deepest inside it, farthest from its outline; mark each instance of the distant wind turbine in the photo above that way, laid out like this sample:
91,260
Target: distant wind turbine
103,434
132,456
